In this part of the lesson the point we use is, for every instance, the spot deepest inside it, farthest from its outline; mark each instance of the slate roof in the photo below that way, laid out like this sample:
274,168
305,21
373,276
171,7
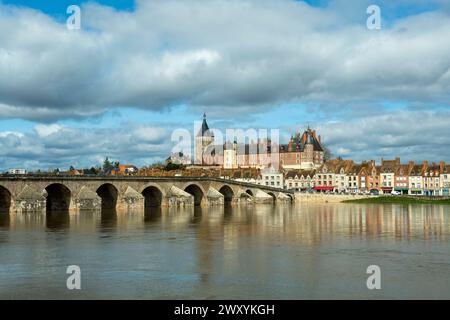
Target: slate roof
204,130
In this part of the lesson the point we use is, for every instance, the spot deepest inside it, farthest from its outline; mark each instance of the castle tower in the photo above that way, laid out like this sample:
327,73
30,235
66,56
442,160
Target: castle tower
309,149
203,140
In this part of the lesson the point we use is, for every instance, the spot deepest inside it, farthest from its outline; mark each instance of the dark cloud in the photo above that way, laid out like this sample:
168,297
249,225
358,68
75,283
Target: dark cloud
218,54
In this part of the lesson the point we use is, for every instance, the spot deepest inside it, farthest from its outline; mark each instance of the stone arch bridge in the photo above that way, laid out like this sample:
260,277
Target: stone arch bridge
33,193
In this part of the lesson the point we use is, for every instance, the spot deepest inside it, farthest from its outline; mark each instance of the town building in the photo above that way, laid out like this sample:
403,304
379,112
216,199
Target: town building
324,180
179,158
445,180
401,177
272,178
352,181
332,176
431,179
369,177
125,170
17,171
387,174
415,180
299,180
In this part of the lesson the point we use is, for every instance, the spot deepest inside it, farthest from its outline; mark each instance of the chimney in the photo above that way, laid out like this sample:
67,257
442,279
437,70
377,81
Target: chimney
397,160
441,166
424,165
319,139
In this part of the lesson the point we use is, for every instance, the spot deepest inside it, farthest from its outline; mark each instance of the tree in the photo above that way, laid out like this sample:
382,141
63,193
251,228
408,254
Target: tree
157,165
108,166
327,154
173,166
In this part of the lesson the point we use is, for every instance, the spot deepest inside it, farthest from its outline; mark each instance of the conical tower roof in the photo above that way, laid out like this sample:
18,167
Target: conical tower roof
204,131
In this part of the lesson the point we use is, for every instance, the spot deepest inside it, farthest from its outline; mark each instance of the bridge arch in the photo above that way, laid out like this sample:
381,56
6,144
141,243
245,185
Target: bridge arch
58,197
249,192
153,196
197,192
109,194
274,198
228,194
291,197
5,200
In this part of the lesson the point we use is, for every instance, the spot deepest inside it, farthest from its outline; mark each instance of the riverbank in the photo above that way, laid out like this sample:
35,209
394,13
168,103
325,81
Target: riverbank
400,200
327,198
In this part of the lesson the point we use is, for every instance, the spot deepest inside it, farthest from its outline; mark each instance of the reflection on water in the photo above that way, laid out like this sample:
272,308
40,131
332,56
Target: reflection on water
108,220
56,220
152,214
4,220
261,251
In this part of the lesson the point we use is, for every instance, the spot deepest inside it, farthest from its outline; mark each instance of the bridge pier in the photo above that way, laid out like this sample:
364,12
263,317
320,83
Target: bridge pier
87,199
30,200
179,198
215,198
262,197
131,200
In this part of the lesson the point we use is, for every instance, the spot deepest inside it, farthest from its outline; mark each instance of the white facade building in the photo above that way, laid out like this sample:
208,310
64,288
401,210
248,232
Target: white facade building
17,171
272,178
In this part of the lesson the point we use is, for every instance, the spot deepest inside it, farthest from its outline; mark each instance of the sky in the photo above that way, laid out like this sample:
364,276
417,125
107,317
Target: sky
136,71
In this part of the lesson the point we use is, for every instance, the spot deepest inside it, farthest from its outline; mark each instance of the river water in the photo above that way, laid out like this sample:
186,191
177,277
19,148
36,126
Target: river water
248,252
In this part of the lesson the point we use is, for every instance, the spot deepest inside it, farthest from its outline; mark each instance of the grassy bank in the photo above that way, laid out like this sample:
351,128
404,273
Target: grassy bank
400,200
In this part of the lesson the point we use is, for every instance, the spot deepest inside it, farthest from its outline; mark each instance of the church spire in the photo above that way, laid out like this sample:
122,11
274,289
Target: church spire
204,130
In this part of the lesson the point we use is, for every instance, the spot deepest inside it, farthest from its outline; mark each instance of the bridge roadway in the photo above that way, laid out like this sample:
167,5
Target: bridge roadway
35,192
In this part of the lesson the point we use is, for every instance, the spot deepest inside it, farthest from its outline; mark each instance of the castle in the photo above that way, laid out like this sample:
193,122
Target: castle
304,151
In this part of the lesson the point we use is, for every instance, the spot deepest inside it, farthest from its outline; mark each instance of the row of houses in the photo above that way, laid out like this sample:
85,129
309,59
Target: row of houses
346,176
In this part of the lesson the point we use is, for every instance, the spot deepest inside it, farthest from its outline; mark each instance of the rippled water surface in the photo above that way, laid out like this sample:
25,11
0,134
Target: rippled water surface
249,252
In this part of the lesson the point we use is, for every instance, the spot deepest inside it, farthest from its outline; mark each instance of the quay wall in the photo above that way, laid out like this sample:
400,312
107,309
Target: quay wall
327,198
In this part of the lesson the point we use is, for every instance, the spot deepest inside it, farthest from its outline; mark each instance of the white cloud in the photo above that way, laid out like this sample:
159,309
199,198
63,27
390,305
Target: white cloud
46,130
413,135
55,146
5,134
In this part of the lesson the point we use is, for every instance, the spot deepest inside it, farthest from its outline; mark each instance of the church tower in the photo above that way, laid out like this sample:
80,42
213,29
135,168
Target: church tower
309,150
203,140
